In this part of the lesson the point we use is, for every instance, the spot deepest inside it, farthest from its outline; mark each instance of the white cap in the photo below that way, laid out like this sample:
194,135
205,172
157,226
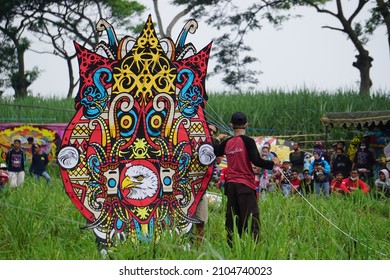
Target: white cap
3,165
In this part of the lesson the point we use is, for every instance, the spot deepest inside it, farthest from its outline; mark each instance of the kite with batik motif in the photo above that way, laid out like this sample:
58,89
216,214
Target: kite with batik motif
137,156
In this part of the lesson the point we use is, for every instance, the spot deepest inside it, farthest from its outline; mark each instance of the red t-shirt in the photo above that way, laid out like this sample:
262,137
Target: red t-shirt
353,185
339,187
241,152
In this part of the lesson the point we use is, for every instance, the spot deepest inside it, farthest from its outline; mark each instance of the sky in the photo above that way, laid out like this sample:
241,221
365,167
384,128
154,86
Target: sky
299,55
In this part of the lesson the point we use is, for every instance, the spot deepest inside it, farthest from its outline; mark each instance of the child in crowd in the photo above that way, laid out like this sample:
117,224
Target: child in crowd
295,182
222,179
284,178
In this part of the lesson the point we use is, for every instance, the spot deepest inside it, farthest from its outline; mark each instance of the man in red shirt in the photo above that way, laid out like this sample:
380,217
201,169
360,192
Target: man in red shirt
353,182
338,185
241,152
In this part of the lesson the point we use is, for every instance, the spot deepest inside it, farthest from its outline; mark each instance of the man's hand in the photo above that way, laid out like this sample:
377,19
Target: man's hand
221,137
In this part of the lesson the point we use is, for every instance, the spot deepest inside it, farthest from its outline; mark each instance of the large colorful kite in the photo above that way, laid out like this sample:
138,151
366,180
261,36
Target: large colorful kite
137,156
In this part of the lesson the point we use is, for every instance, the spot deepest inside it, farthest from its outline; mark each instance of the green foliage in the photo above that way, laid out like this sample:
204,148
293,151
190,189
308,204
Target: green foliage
39,222
272,112
276,112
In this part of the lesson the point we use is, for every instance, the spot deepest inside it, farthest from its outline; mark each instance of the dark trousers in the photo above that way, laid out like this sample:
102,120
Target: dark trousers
241,206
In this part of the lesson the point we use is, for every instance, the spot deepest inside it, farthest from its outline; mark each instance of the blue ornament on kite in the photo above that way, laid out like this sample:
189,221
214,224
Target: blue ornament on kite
137,157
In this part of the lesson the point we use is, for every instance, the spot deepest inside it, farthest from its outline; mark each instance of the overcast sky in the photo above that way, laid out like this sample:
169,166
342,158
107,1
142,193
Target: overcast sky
301,54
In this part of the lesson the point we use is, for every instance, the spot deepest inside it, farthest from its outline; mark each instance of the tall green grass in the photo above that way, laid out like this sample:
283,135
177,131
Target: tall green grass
39,221
272,112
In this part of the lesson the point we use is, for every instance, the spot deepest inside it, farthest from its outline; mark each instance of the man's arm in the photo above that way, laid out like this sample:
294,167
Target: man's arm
254,155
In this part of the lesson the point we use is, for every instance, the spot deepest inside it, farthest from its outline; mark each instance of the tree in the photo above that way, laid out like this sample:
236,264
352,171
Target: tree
14,46
355,33
380,15
232,54
231,58
60,24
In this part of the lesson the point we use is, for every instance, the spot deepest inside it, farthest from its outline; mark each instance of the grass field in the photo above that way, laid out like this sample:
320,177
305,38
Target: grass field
39,222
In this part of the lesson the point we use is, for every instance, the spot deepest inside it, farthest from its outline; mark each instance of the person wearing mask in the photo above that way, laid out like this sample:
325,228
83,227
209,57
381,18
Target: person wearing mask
364,161
353,182
241,153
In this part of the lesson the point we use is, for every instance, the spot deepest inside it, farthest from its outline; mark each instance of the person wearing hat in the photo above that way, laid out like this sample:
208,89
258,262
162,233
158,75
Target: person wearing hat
320,169
4,175
39,163
16,160
241,152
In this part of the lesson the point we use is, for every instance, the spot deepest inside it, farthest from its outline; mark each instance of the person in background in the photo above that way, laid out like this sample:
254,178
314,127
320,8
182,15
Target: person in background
306,185
320,170
241,153
4,175
284,178
39,164
272,154
297,159
319,145
364,161
382,184
341,162
353,182
256,171
340,145
295,182
337,185
222,179
266,176
16,160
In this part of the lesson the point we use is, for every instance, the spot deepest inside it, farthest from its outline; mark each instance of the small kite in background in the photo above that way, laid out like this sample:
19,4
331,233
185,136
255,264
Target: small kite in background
137,156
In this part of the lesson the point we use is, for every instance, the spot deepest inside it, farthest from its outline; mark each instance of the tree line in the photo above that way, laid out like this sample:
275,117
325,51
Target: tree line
57,23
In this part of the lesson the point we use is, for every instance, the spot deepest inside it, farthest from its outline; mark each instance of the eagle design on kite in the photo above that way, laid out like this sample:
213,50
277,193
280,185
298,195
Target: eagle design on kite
137,156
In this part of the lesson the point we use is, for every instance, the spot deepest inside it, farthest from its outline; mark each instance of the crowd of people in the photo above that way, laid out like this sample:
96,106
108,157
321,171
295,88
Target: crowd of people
320,174
250,174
